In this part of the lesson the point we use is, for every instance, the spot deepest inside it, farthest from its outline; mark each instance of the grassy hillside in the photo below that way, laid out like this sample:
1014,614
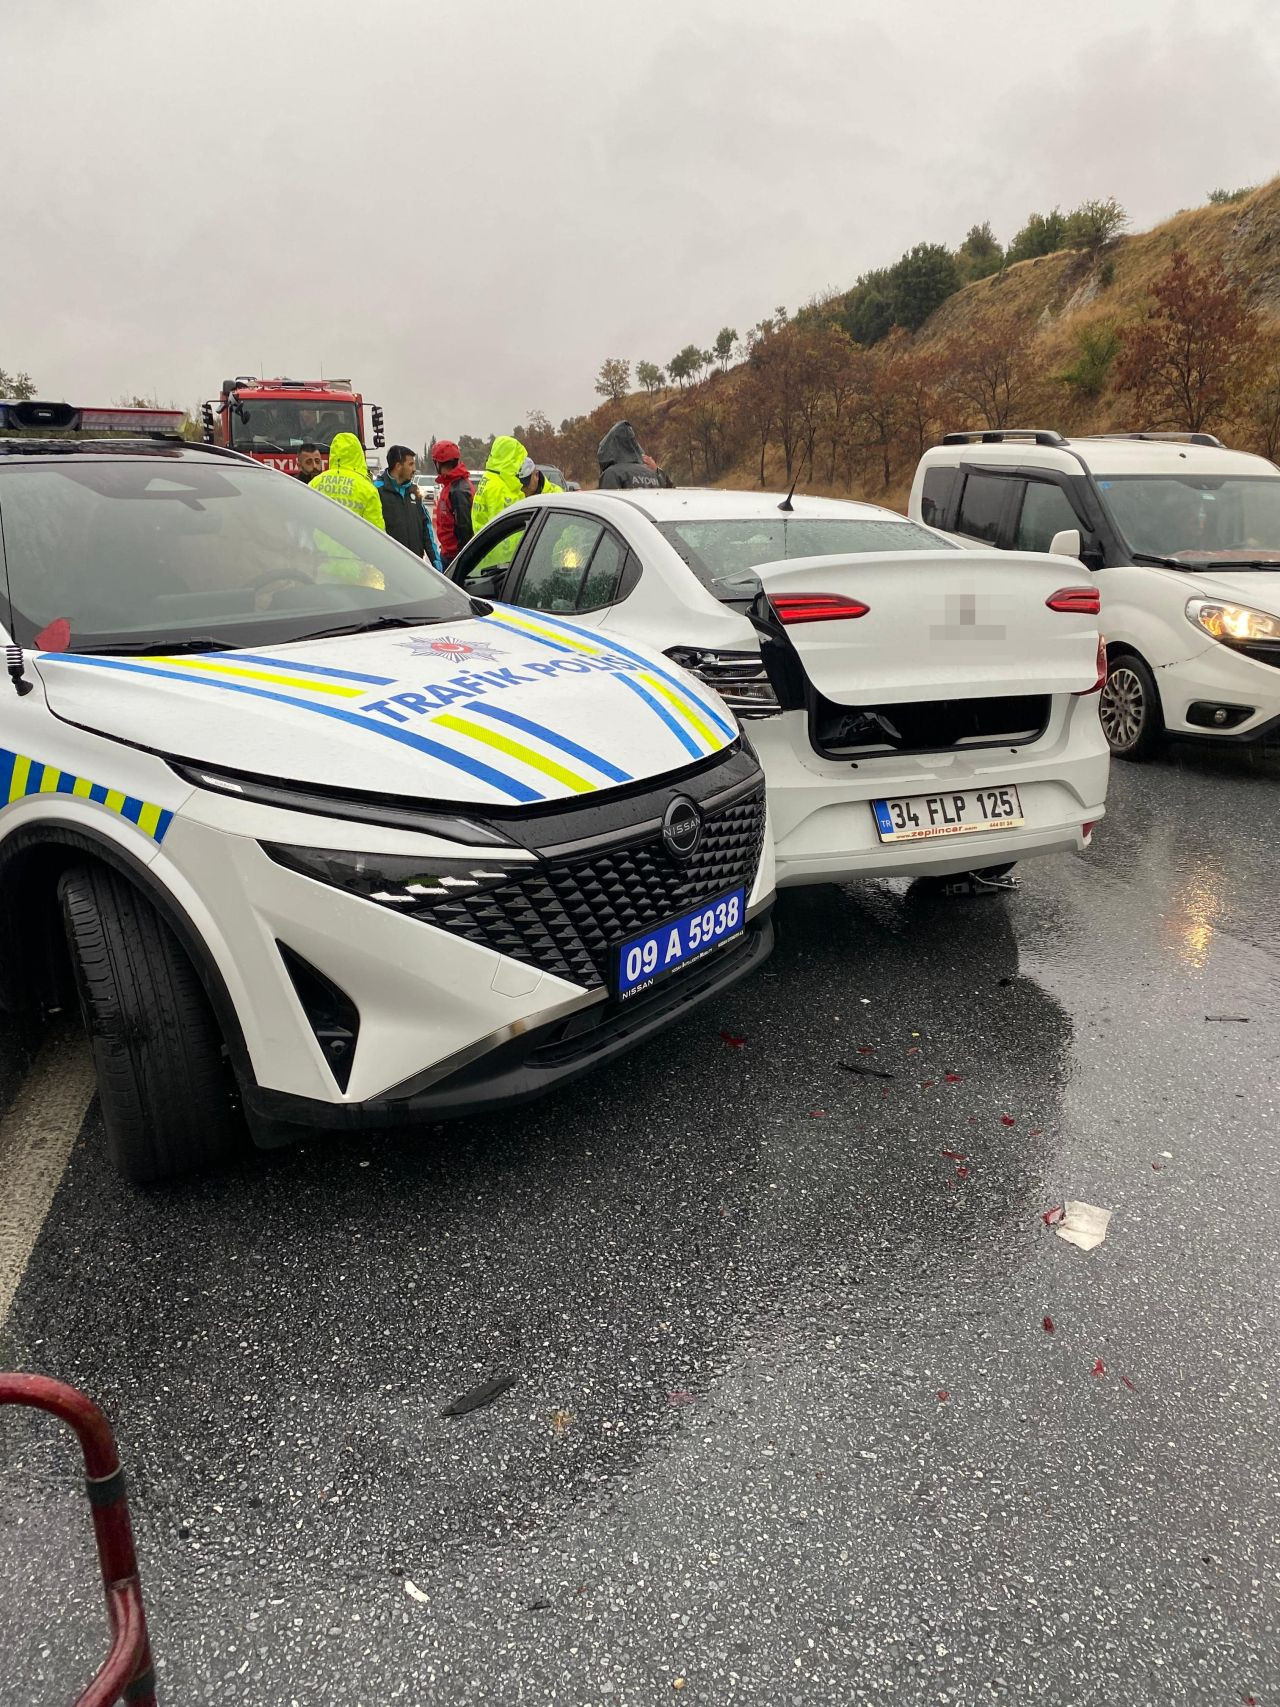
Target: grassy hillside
1039,342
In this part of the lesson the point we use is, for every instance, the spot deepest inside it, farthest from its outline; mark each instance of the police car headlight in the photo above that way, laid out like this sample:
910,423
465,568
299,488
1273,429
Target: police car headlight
407,883
363,809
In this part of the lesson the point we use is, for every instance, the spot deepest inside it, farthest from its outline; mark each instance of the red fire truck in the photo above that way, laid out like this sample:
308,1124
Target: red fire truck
269,418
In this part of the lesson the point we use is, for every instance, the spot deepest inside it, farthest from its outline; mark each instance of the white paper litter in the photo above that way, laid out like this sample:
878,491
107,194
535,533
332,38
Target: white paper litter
415,1593
1083,1224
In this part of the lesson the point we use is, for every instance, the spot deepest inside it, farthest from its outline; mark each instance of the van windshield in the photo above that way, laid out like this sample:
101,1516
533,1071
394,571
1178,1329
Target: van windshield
1197,519
723,554
156,552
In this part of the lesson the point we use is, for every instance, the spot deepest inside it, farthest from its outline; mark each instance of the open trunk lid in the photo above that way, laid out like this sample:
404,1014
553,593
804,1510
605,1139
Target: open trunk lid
943,625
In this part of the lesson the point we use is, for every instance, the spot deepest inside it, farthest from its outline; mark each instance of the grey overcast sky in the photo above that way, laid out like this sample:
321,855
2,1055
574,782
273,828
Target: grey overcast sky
465,208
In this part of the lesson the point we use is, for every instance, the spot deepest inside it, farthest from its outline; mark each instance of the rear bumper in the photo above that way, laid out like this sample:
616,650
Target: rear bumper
824,828
519,1064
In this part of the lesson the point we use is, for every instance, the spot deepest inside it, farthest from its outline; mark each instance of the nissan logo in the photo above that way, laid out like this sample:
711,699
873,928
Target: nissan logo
682,829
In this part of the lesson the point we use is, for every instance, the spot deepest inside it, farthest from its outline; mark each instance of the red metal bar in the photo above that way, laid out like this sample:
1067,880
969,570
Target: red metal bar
127,1671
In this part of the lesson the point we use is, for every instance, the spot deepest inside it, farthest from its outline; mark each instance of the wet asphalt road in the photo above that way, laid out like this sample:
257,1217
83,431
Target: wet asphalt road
787,1424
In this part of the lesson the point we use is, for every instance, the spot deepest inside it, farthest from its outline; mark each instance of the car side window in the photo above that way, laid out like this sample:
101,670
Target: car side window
490,552
604,573
935,496
557,566
982,507
1046,510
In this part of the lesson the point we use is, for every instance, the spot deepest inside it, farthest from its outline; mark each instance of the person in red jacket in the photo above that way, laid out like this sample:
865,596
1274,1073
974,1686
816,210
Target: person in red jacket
453,506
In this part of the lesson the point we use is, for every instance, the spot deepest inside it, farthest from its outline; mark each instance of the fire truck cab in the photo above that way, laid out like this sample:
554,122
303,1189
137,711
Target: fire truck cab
268,419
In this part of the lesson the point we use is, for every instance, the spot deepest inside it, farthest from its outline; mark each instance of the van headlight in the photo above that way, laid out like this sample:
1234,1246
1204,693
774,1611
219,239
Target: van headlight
1232,624
739,678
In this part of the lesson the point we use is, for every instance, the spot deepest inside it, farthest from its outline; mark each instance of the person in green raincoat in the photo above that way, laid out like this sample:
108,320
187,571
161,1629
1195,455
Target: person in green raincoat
499,487
347,482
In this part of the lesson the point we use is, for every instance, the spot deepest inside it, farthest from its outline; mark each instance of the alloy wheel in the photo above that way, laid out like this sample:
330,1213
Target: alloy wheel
1123,707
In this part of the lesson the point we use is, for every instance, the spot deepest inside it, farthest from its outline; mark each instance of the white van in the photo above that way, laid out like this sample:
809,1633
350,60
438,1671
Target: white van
1183,536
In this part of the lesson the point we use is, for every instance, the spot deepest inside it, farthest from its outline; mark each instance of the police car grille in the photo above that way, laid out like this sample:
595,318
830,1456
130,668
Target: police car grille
569,915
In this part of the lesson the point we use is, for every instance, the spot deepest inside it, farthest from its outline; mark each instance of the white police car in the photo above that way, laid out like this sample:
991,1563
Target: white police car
328,841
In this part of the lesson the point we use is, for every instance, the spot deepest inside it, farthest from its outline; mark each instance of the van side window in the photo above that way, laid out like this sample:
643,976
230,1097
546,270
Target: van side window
1046,510
935,496
982,506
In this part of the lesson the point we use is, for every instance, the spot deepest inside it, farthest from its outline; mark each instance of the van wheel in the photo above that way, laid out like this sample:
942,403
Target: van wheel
1132,720
164,1081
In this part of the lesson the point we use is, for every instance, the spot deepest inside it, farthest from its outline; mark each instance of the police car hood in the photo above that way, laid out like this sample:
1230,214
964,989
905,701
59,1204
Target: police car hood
513,708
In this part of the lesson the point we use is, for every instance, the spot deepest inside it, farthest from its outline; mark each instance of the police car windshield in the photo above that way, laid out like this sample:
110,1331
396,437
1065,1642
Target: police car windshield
262,425
1190,520
110,555
724,554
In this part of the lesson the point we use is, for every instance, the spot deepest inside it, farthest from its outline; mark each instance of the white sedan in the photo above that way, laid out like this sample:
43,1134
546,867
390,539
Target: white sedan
919,709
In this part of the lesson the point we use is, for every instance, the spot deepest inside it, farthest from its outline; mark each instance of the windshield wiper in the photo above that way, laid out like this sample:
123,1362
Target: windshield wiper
160,648
368,627
1240,563
1163,562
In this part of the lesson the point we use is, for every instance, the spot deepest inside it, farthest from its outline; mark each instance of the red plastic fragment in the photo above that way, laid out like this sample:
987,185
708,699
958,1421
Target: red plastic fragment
927,1084
1099,1367
817,1114
866,1049
961,1172
1051,1217
680,1397
1129,1384
914,1049
944,1398
1007,1120
953,1078
731,1040
56,637
1157,1167
955,1155
1036,1132
1047,1324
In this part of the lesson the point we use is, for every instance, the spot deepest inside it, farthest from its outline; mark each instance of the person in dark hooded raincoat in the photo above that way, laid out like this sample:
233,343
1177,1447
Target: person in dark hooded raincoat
623,465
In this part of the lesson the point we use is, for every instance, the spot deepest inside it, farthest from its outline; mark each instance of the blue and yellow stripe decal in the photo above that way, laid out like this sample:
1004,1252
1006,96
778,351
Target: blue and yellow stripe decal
683,711
21,776
512,787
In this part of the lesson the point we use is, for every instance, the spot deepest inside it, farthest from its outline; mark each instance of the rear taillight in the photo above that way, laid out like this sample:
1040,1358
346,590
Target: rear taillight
1078,601
791,608
1101,670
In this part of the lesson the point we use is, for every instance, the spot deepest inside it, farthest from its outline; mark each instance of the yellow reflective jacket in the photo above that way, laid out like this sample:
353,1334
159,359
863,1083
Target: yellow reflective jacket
499,487
347,482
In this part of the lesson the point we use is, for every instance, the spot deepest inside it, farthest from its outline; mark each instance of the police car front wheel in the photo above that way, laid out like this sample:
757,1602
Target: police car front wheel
164,1082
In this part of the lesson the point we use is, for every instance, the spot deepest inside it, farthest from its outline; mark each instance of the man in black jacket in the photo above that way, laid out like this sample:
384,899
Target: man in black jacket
402,507
623,464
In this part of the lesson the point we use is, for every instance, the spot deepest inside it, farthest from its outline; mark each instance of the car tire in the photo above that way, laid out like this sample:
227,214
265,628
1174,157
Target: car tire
164,1080
1129,708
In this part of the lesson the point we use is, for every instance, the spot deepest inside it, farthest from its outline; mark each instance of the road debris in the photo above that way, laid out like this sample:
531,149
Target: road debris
1051,1217
1099,1367
727,1037
475,1397
1046,1322
1007,1120
1227,1019
944,1398
1083,1224
415,1593
867,1072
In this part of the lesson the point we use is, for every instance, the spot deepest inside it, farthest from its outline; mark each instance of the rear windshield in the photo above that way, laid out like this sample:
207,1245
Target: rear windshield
723,554
157,552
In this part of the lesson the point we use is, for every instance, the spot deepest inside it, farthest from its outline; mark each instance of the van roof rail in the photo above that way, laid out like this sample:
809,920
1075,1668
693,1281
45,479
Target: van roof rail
1168,438
998,436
